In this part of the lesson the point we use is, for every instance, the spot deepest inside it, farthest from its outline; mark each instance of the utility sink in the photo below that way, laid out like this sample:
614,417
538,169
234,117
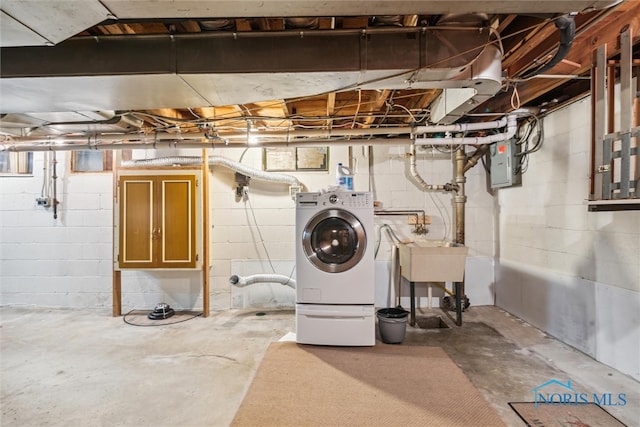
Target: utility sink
432,261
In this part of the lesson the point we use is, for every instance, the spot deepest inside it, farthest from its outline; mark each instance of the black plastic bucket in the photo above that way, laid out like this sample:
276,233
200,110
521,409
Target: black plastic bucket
392,323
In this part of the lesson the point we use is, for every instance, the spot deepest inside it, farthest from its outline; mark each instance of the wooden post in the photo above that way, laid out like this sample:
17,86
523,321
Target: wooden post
598,117
117,293
205,233
116,274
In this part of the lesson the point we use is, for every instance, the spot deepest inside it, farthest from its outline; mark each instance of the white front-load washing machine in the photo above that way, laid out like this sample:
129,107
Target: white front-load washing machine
335,289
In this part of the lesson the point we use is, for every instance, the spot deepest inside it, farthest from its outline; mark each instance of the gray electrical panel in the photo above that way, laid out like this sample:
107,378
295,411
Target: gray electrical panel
505,164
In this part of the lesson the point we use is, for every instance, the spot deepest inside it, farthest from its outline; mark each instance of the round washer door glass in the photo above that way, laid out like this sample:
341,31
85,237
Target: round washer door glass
334,240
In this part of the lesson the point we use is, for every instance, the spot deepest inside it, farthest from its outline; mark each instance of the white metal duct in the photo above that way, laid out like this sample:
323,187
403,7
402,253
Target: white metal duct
296,8
129,73
47,22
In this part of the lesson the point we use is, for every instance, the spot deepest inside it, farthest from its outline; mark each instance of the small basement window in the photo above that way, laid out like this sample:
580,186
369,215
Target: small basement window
16,163
91,161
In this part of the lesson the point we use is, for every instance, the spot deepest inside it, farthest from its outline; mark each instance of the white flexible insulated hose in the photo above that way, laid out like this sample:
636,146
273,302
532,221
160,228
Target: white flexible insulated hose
262,278
253,173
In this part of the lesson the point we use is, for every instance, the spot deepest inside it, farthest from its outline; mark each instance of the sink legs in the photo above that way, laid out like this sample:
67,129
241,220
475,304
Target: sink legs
412,296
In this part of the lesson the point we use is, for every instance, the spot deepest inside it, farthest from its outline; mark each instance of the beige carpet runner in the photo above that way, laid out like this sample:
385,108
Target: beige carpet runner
385,385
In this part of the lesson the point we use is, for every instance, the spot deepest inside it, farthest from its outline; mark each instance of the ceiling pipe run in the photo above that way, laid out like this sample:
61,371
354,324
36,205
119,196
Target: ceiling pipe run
280,138
512,126
461,127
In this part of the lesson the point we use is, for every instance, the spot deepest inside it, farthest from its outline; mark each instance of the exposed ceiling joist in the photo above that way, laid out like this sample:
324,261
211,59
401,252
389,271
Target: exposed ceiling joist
196,65
578,61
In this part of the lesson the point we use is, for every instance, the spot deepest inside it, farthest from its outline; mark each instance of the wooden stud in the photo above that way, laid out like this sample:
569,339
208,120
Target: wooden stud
204,191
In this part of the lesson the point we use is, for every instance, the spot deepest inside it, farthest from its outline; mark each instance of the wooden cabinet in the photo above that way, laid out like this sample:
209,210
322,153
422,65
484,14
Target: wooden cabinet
157,221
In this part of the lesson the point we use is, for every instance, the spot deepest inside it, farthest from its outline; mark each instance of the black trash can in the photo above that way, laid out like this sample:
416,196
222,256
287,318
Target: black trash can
392,323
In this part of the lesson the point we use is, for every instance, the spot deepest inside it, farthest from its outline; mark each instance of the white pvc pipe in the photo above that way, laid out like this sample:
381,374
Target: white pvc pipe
413,169
461,127
262,278
512,126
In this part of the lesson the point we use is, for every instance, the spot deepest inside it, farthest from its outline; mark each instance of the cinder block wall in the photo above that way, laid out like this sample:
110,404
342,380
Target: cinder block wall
64,262
575,274
67,262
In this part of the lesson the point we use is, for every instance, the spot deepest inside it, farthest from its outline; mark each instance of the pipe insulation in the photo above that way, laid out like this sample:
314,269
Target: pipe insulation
241,282
566,25
253,173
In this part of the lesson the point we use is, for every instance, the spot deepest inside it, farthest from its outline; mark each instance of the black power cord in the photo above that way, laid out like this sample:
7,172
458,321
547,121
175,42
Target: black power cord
161,311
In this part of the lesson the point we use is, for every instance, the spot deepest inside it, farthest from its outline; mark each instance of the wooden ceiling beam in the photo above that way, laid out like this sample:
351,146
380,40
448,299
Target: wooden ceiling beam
504,22
380,99
243,24
331,106
191,26
410,20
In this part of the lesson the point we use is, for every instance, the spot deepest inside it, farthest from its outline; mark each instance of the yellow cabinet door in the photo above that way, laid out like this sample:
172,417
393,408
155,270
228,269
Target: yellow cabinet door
157,221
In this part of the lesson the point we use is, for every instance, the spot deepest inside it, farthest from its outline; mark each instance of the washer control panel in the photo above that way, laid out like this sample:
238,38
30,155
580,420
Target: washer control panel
345,199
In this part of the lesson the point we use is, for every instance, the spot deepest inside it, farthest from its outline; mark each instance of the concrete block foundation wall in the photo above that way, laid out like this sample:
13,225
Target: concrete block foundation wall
572,273
67,262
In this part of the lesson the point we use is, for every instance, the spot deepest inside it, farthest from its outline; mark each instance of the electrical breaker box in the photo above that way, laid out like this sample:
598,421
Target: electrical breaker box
505,164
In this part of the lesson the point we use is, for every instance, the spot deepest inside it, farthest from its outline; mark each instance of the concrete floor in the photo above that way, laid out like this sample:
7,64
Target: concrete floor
81,367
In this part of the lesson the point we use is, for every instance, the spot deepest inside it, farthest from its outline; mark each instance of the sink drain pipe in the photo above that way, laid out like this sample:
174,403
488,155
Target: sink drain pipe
262,278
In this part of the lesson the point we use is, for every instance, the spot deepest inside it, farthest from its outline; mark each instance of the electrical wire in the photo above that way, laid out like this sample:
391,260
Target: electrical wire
515,98
355,116
390,232
525,132
413,118
444,222
124,318
264,246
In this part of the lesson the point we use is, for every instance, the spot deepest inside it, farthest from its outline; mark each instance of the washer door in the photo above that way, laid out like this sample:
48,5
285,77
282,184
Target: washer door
334,240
